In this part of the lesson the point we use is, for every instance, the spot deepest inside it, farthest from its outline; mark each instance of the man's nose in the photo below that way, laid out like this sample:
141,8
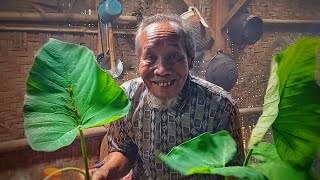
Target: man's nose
162,68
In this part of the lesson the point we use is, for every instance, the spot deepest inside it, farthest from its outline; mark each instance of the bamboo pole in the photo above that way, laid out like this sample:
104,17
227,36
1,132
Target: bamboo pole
66,17
19,144
62,29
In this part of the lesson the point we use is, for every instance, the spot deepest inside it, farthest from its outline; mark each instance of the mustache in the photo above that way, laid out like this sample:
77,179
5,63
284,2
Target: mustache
158,78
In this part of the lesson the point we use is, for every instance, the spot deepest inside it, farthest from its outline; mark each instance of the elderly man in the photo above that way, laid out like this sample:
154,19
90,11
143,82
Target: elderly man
169,105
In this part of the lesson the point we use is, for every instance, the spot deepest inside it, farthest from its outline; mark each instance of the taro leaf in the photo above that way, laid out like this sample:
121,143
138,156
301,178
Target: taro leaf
208,154
272,166
292,104
67,91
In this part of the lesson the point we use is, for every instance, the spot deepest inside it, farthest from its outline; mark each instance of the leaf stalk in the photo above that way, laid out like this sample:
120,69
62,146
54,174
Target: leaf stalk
84,153
248,157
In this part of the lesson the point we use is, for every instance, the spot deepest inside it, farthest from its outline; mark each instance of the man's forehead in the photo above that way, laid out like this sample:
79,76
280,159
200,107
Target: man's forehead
158,32
164,26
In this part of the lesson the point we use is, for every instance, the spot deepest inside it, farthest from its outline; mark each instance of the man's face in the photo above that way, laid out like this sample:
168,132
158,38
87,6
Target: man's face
163,62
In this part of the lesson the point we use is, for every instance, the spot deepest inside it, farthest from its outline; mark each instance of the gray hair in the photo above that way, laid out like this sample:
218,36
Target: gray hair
186,31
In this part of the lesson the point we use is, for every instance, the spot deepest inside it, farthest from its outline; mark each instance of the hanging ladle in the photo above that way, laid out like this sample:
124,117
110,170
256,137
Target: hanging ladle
108,11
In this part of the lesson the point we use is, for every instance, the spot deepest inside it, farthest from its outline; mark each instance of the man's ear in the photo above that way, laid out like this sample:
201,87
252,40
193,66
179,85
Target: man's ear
190,62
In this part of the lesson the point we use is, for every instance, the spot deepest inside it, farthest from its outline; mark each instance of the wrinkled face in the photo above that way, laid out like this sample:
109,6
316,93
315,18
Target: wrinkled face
163,62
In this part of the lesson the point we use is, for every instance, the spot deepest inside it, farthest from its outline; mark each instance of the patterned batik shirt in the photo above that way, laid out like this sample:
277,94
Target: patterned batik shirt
145,132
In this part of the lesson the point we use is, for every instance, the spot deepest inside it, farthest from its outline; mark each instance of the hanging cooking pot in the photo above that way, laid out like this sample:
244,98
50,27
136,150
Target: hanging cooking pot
246,29
222,71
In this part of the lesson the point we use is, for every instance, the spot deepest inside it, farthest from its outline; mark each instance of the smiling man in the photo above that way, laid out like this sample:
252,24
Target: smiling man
164,61
169,105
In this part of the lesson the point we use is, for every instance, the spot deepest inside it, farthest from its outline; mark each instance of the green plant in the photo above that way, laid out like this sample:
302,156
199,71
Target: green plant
291,108
270,164
292,104
67,92
208,154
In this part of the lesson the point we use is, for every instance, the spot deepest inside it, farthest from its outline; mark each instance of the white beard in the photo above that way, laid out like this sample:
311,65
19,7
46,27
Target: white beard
155,102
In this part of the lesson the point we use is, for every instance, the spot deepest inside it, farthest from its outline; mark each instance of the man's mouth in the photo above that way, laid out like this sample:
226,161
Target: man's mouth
164,83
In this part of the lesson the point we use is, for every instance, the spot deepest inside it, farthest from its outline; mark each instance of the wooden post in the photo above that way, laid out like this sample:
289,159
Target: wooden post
111,49
220,9
99,44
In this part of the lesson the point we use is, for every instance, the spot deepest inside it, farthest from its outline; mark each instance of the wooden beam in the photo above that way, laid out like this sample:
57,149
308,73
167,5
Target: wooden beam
220,9
246,111
63,29
233,12
65,17
290,22
19,144
99,42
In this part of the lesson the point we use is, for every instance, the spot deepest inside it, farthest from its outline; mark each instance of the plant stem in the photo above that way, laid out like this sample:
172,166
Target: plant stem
64,169
246,161
84,154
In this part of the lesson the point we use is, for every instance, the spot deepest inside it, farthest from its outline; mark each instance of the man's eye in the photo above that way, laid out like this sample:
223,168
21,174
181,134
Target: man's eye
174,56
151,57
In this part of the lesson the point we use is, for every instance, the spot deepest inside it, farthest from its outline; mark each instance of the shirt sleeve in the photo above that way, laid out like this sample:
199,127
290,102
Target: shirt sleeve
228,117
235,129
119,140
120,132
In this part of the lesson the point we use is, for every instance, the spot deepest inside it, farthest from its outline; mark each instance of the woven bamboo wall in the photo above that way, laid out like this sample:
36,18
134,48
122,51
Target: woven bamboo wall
16,57
254,60
27,164
17,51
151,7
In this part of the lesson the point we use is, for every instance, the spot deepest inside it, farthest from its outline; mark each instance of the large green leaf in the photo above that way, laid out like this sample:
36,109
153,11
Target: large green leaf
67,91
272,166
292,104
208,154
